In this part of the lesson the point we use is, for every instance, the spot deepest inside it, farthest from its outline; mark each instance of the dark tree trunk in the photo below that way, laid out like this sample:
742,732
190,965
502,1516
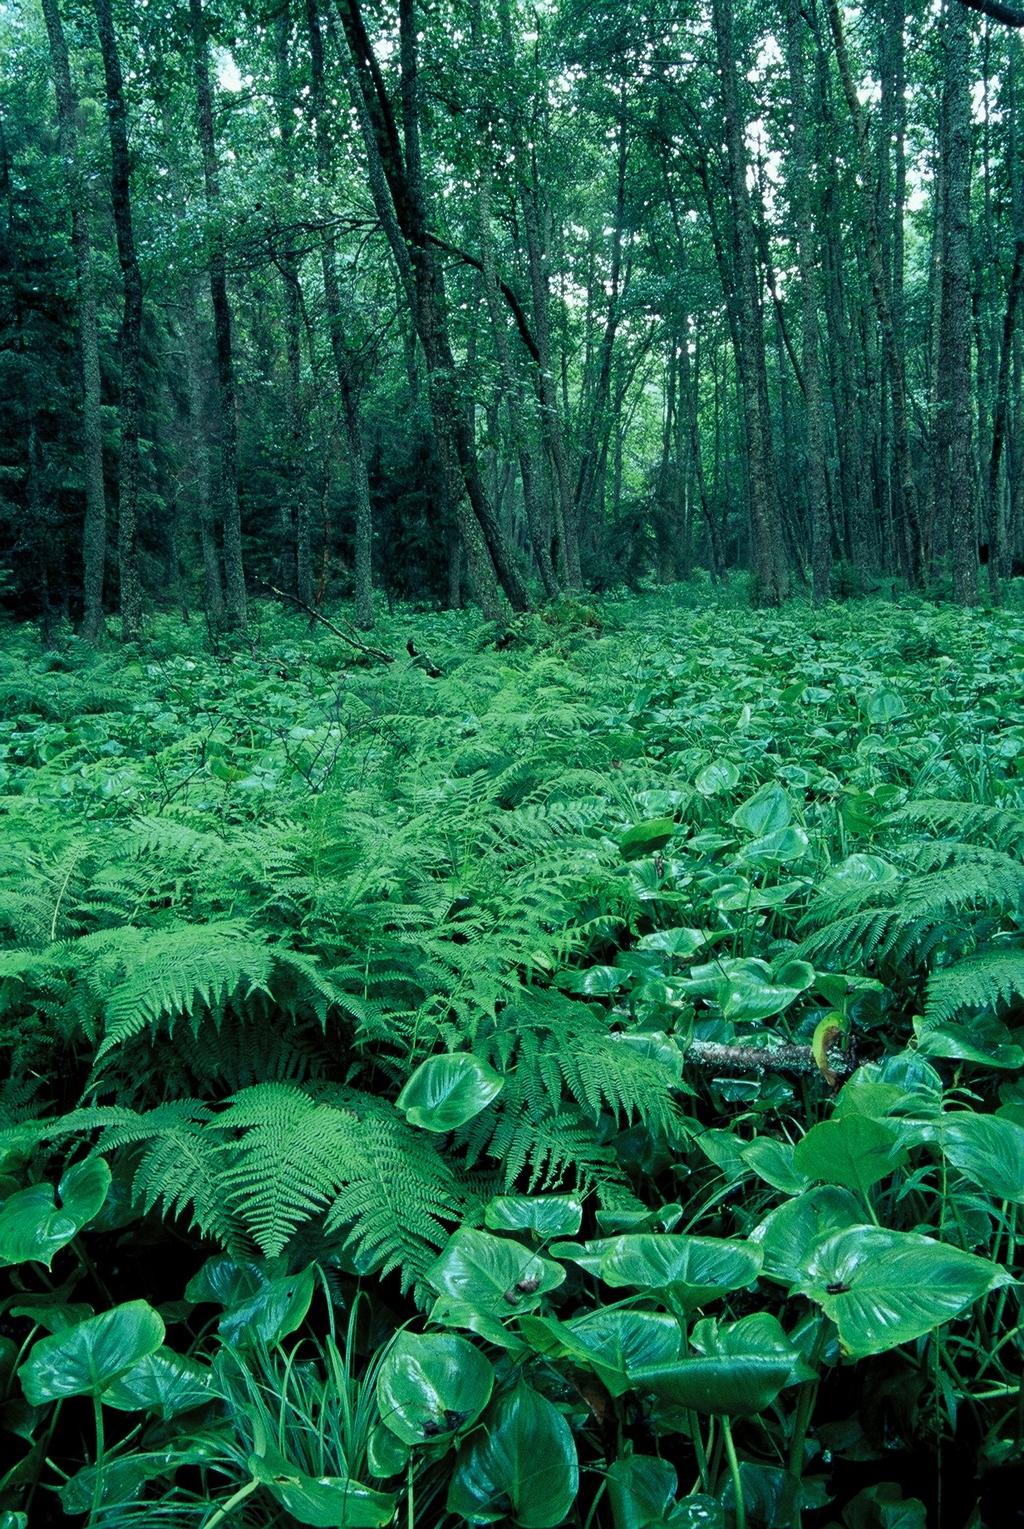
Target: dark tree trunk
234,572
131,326
94,528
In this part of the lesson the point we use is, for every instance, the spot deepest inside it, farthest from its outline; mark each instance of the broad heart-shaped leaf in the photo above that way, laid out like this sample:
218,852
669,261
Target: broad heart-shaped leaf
642,1494
432,1385
325,1502
611,1341
989,1150
544,1215
494,1274
985,1041
776,848
446,1091
520,1464
884,705
884,1288
789,1233
687,1272
752,991
226,1281
854,1151
739,1368
32,1226
763,813
678,941
84,1360
272,1313
164,1382
772,1160
645,838
720,775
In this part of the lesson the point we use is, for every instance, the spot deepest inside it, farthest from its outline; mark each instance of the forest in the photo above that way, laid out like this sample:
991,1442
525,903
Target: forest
511,829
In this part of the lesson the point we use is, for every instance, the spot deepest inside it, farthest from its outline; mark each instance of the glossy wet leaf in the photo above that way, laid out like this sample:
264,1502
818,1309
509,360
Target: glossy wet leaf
272,1313
323,1502
688,1271
164,1382
610,1341
36,1222
989,1150
767,811
520,1465
84,1360
431,1386
447,1091
883,1288
738,1368
754,991
789,1232
721,775
543,1215
494,1274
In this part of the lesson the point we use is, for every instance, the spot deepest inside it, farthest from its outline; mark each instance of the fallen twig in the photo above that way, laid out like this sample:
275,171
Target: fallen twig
361,647
713,1056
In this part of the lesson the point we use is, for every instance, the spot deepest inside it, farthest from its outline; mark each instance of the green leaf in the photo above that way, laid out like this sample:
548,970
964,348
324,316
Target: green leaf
678,941
272,1313
854,1151
772,1160
520,1464
431,1386
989,1150
738,1368
688,1271
324,1502
85,1359
225,1281
721,775
776,848
789,1232
446,1091
884,1288
611,1341
752,992
33,1228
645,838
544,1215
164,1382
763,813
884,705
494,1274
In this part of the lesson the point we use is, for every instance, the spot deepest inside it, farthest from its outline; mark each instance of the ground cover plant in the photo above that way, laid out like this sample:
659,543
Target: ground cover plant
573,1078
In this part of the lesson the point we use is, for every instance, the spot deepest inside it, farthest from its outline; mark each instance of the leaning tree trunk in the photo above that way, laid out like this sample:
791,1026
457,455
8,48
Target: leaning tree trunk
94,528
234,572
131,327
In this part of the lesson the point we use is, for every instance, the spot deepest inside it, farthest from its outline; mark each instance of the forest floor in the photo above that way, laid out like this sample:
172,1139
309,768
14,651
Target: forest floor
331,963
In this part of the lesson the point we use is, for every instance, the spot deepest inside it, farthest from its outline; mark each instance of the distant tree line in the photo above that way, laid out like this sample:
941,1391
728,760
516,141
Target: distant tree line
492,300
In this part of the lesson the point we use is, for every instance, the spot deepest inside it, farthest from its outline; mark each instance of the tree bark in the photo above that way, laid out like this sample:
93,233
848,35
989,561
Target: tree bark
234,571
131,326
802,169
766,534
94,528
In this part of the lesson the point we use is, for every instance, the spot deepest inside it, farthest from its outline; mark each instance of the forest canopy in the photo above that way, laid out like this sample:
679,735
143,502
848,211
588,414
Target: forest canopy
495,301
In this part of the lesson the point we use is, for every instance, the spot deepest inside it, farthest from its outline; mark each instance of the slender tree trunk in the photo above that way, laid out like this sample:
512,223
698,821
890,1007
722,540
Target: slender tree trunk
766,536
94,529
802,169
234,572
131,326
343,362
955,401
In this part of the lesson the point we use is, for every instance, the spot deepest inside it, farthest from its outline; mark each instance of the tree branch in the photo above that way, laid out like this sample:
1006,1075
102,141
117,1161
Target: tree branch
713,1056
997,10
315,615
522,323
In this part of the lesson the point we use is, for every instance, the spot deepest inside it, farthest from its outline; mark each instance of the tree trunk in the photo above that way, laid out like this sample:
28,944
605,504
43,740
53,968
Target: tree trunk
234,572
802,167
766,536
344,366
131,327
94,528
955,398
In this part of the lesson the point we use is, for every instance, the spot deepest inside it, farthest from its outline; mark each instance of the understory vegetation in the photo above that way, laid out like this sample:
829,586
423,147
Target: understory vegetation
563,1075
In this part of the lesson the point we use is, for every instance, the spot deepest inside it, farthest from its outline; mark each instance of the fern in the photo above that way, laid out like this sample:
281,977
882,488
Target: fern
985,980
